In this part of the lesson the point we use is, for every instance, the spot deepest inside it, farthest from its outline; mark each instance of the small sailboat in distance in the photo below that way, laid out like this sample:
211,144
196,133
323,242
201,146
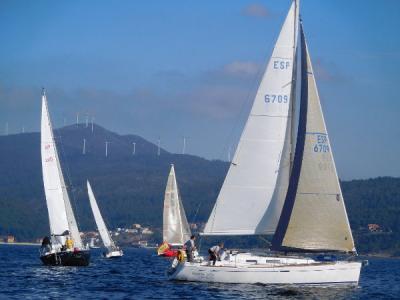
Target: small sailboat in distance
112,250
282,184
64,246
176,230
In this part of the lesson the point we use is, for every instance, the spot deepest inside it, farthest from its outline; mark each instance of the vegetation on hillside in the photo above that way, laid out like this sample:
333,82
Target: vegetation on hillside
130,188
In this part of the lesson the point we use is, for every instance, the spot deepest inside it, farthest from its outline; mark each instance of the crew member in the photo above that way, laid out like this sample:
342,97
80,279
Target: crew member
69,243
46,244
190,247
215,252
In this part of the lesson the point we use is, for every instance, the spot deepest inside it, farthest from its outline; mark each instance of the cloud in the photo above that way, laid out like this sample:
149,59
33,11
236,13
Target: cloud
242,68
220,93
256,10
235,73
216,102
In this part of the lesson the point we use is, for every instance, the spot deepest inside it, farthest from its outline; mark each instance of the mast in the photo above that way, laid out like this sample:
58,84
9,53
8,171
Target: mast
294,86
179,209
61,215
298,157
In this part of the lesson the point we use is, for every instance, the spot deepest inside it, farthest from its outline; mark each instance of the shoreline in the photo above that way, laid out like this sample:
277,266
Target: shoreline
380,255
20,244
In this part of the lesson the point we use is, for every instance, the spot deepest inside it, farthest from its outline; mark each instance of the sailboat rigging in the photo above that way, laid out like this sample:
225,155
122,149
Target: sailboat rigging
64,247
300,201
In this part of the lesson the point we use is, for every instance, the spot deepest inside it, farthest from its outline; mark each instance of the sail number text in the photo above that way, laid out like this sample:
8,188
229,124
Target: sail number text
273,98
322,144
281,64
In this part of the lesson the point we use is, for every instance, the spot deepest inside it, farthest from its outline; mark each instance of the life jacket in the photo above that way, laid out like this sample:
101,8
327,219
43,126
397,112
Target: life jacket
69,244
181,255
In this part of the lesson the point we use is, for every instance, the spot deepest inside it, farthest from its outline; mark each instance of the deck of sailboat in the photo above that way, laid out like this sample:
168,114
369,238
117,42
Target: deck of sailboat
269,265
249,260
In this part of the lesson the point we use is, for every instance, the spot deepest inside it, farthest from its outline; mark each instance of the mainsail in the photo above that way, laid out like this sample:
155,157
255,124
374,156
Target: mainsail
176,229
101,226
61,216
314,215
251,198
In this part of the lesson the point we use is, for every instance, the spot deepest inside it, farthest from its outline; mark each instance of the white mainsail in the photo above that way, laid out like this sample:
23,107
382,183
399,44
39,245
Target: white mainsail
61,216
176,230
252,196
315,213
101,226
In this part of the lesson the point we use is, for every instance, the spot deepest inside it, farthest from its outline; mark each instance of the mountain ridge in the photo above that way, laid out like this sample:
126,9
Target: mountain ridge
120,172
130,187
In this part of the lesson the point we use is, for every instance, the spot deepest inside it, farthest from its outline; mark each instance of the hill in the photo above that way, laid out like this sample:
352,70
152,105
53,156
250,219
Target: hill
374,201
130,188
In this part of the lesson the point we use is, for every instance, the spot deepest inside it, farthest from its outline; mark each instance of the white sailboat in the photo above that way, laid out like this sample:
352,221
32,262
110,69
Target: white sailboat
282,185
112,250
176,230
64,247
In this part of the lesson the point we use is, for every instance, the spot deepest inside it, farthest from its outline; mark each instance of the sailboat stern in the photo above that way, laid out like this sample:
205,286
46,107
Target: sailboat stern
76,258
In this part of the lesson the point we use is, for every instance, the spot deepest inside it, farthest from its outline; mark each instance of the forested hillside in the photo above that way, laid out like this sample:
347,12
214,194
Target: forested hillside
374,201
130,188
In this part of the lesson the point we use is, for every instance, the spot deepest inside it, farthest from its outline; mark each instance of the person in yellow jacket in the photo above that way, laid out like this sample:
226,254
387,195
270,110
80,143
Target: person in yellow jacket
69,243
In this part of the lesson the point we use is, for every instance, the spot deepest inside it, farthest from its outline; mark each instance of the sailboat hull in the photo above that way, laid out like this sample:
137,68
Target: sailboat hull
67,258
113,254
275,271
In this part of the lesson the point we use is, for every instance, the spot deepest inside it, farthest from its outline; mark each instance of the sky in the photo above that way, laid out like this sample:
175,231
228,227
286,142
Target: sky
169,69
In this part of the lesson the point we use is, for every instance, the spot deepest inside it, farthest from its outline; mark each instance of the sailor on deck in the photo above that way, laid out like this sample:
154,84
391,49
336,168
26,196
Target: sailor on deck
215,252
190,247
69,243
46,244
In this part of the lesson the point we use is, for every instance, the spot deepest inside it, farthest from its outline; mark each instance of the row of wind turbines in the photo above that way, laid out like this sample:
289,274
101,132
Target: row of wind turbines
107,143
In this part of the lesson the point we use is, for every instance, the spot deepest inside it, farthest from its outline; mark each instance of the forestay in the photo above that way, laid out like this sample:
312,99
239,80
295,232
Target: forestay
251,198
61,217
176,229
101,226
314,215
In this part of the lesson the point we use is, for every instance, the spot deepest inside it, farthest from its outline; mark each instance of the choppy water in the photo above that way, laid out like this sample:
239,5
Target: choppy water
140,275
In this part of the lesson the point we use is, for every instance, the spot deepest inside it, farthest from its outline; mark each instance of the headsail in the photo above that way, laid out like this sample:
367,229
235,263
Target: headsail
101,226
61,217
314,215
251,198
175,225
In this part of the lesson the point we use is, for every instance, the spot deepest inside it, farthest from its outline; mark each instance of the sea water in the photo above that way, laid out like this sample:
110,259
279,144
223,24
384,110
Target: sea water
140,274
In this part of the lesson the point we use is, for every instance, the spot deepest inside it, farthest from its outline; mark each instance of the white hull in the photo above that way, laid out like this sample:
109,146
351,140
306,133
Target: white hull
246,268
113,254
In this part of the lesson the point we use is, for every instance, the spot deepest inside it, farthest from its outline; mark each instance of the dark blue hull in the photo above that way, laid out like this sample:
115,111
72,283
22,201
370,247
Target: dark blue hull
67,258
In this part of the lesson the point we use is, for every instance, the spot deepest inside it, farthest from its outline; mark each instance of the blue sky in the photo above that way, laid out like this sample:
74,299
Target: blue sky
191,68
